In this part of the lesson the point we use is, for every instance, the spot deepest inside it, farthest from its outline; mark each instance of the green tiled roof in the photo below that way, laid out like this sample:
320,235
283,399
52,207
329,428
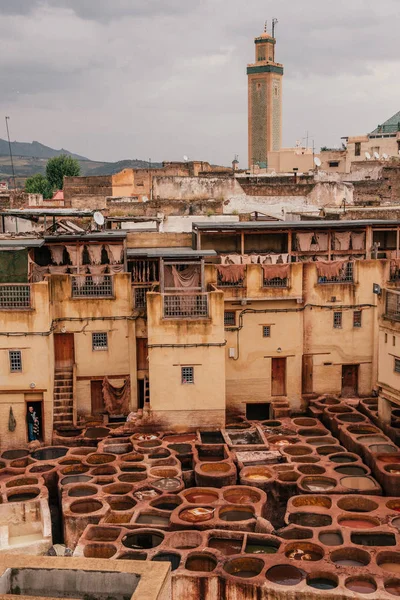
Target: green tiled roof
392,125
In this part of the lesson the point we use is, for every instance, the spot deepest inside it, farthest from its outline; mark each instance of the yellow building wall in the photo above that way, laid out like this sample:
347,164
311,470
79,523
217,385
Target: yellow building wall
178,405
36,346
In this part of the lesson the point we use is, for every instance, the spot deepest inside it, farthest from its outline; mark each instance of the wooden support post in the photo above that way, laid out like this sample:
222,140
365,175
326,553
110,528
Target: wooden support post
397,242
329,245
290,245
161,275
202,282
368,242
242,242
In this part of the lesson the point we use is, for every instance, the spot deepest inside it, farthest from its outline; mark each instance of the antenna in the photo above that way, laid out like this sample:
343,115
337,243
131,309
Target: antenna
265,26
274,23
11,156
367,156
98,218
317,162
376,156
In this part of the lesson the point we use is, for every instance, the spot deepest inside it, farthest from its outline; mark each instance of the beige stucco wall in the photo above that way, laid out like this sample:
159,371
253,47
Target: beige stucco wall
385,145
187,405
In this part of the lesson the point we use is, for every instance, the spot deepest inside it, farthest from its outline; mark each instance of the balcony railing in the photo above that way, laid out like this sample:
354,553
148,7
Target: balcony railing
15,296
392,305
92,286
276,282
346,275
185,306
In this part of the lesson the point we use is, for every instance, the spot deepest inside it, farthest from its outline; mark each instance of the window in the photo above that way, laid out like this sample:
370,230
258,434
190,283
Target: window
357,149
337,320
357,315
385,338
99,341
393,341
229,318
333,163
266,330
187,375
397,365
15,361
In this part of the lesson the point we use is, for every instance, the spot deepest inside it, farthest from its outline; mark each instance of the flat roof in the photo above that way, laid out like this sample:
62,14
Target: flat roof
46,212
322,224
91,235
169,252
14,243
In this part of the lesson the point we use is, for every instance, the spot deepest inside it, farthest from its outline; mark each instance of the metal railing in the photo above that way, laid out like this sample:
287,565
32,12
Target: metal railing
236,284
394,273
92,286
185,306
346,275
139,296
276,282
15,296
392,309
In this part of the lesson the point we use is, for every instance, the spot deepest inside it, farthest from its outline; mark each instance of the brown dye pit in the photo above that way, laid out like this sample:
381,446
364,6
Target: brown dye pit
361,585
382,449
225,546
358,522
305,422
80,491
351,418
331,538
371,439
304,551
96,432
364,484
143,540
310,519
285,575
118,489
152,519
197,515
324,501
357,504
313,432
121,504
353,471
99,550
200,496
389,561
343,458
393,469
166,484
296,533
350,557
244,567
392,586
257,546
75,479
21,482
241,496
168,503
311,470
163,472
103,534
51,453
362,429
298,450
41,468
181,448
23,496
318,484
212,468
100,459
185,540
201,563
181,438
13,454
326,450
236,514
82,507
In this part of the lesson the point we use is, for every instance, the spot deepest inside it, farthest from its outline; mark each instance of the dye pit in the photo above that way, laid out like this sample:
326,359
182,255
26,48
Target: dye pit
306,505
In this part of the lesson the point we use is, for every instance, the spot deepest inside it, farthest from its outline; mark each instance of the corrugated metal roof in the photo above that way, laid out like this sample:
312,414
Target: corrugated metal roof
92,235
14,243
356,224
46,212
168,252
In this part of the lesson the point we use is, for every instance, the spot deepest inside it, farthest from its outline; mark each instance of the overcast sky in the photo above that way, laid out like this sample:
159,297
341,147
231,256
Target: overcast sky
114,79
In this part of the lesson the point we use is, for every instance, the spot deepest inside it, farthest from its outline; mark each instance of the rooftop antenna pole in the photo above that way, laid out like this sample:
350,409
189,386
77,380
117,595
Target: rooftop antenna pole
11,156
265,26
274,23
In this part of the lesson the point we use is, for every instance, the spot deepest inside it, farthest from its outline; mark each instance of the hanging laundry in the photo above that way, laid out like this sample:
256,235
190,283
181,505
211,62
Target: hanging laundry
57,253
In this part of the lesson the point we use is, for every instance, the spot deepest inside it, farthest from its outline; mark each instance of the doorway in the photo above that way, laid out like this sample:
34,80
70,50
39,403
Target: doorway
258,411
142,354
39,412
278,377
140,393
307,374
349,381
96,395
64,355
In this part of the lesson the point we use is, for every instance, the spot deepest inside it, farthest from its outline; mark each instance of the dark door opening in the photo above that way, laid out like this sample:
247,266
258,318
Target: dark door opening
259,411
349,381
140,384
37,433
96,394
278,377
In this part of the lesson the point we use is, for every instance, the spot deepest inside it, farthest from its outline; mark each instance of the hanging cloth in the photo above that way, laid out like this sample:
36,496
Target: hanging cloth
187,278
57,270
234,259
246,259
80,281
73,254
95,253
114,253
231,273
116,269
342,240
12,423
255,259
267,259
322,239
57,253
116,400
274,258
38,273
279,271
304,241
96,272
358,241
330,269
224,259
285,258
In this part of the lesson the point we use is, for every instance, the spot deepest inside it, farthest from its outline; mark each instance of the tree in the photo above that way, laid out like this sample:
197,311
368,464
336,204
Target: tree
59,167
38,184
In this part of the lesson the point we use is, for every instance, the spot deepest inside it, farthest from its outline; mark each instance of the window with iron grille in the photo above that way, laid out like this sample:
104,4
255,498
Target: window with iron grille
99,341
94,287
346,275
15,361
140,296
397,365
276,282
185,306
266,330
337,320
393,305
229,318
15,296
357,316
187,375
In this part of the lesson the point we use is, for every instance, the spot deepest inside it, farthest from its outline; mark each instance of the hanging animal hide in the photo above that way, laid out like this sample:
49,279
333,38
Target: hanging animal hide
116,400
12,423
57,253
278,271
231,273
330,269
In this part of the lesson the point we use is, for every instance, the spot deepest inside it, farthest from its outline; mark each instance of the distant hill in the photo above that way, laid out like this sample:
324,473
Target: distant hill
33,150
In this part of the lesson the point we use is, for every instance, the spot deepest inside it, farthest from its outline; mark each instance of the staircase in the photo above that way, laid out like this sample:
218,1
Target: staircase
63,398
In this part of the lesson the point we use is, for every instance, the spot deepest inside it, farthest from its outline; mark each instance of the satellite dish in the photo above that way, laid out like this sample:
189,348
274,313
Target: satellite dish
367,156
185,158
376,155
317,161
98,218
385,156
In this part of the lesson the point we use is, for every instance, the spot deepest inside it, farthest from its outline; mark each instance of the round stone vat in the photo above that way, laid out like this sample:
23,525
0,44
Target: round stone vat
304,551
172,557
120,448
313,432
118,489
160,453
14,454
203,562
317,483
199,514
310,519
132,477
322,581
23,494
236,513
393,469
100,458
75,479
362,484
306,460
22,463
69,461
21,482
296,533
132,457
121,503
321,441
394,505
372,439
298,450
271,423
338,410
305,422
311,470
241,495
215,468
74,470
392,586
382,449
50,453
200,496
180,448
357,504
167,484
285,575
281,441
326,450
389,561
80,491
96,432
353,470
361,584
132,468
365,429
103,470
84,507
389,458
99,550
168,503
351,418
288,477
244,567
227,546
355,522
185,540
256,474
102,534
41,468
180,438
350,557
343,458
143,539
148,445
331,538
163,472
323,501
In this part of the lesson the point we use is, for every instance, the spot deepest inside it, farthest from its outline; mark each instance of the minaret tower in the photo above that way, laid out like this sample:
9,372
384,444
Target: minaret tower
265,100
